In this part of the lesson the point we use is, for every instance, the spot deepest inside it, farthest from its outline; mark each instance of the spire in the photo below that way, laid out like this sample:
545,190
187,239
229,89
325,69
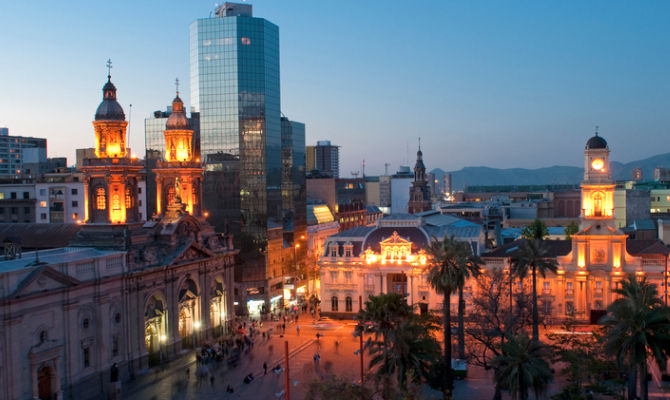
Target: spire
176,83
177,119
596,130
109,69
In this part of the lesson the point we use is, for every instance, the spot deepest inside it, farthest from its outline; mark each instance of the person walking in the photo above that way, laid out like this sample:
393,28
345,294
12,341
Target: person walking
265,368
297,329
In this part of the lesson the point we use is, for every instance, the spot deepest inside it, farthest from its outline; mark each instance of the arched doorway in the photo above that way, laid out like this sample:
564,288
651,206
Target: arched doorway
217,307
155,329
189,323
44,380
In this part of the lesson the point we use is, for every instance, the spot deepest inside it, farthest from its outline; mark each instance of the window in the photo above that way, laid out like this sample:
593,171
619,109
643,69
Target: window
115,346
347,276
117,318
333,276
569,308
43,192
74,191
75,203
129,198
116,202
14,210
26,210
347,251
43,204
87,358
13,195
333,250
85,324
245,41
139,190
43,336
100,199
333,304
43,216
348,304
26,195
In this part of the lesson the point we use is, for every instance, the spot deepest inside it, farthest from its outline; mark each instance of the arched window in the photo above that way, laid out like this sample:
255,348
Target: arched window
100,199
348,304
333,304
170,195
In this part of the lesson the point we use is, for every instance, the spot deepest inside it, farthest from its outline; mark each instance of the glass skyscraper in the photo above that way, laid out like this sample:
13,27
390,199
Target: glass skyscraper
234,60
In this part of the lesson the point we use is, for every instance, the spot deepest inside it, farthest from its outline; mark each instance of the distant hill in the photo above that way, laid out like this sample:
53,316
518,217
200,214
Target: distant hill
555,175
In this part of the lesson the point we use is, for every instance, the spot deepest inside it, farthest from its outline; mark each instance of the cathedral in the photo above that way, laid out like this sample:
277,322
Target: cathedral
127,291
592,263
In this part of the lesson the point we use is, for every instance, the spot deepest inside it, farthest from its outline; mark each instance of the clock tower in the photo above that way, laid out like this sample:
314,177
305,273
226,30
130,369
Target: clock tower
597,187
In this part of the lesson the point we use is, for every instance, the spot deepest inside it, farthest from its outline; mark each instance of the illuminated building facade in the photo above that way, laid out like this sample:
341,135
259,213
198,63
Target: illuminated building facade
389,257
592,263
138,293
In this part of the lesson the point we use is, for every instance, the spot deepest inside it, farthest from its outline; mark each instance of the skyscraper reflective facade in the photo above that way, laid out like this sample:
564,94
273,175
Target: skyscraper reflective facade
234,60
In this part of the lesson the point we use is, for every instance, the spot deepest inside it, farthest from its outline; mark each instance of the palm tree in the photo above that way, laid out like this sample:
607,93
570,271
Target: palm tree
403,343
534,256
452,264
522,365
638,326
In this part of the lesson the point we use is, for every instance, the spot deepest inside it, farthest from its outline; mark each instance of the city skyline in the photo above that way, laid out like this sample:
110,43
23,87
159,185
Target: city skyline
519,78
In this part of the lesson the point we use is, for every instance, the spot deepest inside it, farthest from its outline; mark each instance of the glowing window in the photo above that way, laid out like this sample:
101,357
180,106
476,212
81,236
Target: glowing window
129,198
245,41
43,203
100,199
116,202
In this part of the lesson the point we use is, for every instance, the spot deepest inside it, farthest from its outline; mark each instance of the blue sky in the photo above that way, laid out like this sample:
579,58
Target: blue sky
499,83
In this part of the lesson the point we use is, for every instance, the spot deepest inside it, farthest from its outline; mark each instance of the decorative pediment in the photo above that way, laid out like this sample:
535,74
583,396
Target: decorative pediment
395,239
43,279
191,252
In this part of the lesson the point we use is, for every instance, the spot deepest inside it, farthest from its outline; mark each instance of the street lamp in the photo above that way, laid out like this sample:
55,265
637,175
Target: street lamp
196,326
163,339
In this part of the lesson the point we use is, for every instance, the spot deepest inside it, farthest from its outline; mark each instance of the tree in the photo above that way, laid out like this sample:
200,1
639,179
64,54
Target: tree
571,229
637,327
537,230
452,264
403,346
533,256
493,319
333,388
523,366
585,364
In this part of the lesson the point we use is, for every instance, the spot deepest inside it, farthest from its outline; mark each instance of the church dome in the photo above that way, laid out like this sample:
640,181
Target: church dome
596,142
177,119
109,109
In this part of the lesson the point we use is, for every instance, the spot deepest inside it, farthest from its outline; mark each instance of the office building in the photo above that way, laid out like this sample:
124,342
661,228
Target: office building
327,158
401,183
235,88
294,192
310,155
21,155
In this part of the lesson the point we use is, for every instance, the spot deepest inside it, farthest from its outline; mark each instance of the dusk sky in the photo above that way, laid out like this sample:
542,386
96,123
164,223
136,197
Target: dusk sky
501,84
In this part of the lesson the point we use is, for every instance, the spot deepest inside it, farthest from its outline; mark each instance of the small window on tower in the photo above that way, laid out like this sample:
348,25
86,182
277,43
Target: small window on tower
100,199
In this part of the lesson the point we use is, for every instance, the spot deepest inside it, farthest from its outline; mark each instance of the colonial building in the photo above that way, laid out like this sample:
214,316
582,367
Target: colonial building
125,291
419,192
387,258
592,263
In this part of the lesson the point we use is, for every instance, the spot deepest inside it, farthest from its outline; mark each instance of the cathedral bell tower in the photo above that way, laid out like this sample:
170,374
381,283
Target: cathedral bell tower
179,176
112,176
419,192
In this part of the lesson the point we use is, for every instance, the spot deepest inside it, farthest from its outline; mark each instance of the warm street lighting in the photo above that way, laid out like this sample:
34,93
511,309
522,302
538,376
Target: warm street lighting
163,338
196,324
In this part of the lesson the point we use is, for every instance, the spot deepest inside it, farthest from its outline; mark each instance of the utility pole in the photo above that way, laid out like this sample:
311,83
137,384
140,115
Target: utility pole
288,387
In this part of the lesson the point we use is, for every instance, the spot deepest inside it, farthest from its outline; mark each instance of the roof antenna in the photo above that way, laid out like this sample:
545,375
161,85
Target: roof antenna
109,68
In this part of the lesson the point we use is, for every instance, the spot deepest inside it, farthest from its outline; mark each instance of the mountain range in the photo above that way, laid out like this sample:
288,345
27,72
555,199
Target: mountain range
474,176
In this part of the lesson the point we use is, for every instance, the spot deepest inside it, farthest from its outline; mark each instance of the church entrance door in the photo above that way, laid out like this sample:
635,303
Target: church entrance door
44,390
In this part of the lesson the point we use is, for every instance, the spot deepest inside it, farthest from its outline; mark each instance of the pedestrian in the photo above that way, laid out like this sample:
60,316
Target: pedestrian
211,380
230,389
297,328
283,327
318,335
265,368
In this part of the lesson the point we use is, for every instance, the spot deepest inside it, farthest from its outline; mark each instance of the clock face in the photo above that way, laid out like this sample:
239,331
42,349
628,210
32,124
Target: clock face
597,164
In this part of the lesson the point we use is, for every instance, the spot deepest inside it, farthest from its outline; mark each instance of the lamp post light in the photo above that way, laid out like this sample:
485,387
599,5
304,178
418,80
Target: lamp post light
161,347
196,326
